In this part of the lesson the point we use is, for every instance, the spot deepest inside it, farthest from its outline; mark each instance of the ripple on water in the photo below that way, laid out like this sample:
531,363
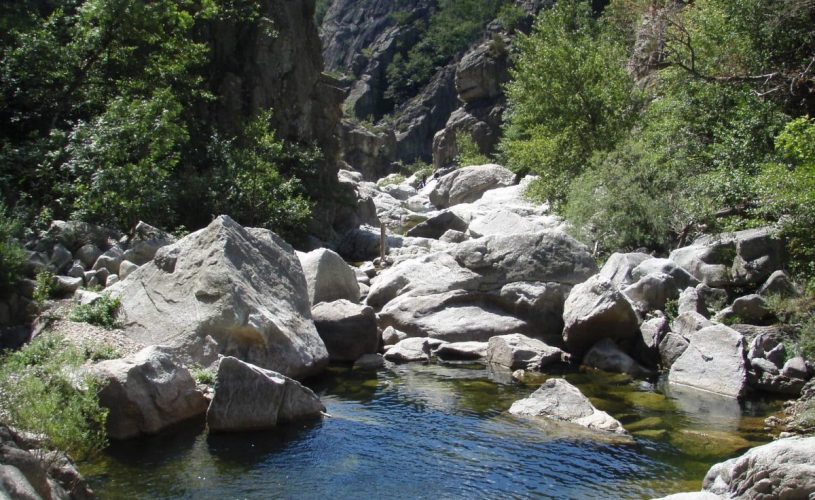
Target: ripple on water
431,431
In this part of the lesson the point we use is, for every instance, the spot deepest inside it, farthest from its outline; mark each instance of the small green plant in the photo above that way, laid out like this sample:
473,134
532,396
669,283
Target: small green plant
40,392
392,180
468,151
671,309
100,313
45,287
202,375
101,351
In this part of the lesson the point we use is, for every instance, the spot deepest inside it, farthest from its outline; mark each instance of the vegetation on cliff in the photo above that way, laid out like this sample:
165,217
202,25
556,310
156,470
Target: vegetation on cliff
650,122
102,100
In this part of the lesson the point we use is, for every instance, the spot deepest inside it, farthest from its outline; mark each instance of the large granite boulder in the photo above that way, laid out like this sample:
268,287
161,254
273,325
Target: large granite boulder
546,256
146,392
732,259
606,356
456,316
594,310
517,351
409,350
144,244
348,329
619,267
328,277
436,225
539,304
467,184
242,288
428,274
714,362
559,400
249,398
781,469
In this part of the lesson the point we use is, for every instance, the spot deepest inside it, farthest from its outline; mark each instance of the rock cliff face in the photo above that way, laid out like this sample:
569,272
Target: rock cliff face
275,62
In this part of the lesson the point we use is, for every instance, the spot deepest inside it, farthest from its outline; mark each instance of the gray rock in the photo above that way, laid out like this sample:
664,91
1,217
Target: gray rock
14,485
244,288
126,268
606,356
369,362
516,351
111,280
86,297
453,316
732,259
90,279
714,299
76,270
360,244
671,347
595,310
453,236
37,262
539,304
61,258
549,256
653,331
461,351
504,222
146,393
764,365
248,397
425,275
436,225
110,261
796,368
328,277
619,267
392,336
145,243
779,285
348,329
714,362
467,184
652,292
559,400
690,301
691,495
102,276
67,285
781,469
482,72
681,278
409,350
87,254
686,324
751,308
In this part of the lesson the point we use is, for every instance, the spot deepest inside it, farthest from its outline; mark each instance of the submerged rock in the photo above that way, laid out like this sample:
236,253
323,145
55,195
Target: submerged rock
559,400
605,355
244,288
248,397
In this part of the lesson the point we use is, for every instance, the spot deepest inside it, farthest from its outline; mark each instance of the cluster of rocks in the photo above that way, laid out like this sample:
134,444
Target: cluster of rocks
28,471
485,271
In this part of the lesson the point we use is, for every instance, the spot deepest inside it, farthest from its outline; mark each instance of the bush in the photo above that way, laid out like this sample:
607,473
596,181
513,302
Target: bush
12,256
468,151
45,287
100,313
41,393
202,375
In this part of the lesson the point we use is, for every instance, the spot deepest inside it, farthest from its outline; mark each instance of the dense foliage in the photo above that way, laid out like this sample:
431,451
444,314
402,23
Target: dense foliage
649,123
100,101
41,392
450,30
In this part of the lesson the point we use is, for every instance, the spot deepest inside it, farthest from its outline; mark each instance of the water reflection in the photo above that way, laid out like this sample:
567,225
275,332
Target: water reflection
432,431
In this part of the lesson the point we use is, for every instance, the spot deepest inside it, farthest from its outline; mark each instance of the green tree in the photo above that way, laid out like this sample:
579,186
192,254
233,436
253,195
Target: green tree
569,97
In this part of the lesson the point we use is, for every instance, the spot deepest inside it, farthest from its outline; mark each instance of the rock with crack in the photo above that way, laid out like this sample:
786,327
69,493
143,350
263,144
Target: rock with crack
714,361
455,316
516,351
248,397
146,393
559,400
242,287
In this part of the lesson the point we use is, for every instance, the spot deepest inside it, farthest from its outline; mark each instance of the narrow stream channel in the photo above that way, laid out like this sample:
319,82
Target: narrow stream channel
434,431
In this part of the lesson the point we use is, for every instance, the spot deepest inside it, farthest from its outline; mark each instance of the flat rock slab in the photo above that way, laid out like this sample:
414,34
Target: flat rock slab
559,400
409,350
461,351
516,351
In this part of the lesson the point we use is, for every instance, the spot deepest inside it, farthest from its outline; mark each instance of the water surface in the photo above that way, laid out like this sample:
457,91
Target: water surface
434,431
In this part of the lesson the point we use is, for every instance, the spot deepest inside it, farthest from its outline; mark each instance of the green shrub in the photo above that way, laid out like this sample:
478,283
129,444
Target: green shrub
511,16
202,375
40,392
392,180
45,287
100,313
468,151
12,256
